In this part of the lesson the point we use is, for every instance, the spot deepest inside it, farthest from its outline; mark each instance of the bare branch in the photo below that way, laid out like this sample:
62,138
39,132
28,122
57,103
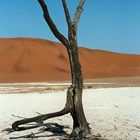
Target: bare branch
51,24
67,15
78,12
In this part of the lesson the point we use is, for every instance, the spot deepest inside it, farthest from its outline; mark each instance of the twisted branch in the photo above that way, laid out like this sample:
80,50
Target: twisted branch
68,18
51,24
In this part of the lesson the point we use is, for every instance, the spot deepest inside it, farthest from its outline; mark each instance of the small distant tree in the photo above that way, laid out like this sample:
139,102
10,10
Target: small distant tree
73,104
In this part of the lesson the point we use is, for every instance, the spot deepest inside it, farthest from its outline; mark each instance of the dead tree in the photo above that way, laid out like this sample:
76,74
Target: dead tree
73,104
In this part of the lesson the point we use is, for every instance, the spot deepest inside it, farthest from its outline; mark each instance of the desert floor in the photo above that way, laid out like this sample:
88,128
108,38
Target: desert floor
113,113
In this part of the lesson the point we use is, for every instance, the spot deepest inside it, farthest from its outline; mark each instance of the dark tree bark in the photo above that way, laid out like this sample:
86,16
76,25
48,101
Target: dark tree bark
74,104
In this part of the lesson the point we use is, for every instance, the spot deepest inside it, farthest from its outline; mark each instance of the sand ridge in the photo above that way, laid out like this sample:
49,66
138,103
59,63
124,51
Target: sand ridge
38,60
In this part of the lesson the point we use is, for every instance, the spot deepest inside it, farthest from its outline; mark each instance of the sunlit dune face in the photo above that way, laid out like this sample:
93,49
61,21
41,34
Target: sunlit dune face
32,60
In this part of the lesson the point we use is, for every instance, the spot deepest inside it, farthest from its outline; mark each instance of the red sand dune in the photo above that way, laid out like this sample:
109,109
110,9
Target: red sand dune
32,60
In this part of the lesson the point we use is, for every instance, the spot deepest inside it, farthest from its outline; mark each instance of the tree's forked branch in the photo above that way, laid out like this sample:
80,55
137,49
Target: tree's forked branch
78,12
51,24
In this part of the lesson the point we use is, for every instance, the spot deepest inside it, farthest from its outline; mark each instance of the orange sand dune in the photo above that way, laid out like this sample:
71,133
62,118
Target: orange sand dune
37,60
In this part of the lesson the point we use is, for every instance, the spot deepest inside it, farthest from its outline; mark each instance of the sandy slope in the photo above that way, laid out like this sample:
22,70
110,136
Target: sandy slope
112,112
31,60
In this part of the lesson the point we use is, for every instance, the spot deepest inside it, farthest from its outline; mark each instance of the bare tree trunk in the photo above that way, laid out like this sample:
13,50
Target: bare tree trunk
80,124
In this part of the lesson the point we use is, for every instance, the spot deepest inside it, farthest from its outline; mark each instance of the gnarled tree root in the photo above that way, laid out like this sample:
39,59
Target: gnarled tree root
40,118
15,125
